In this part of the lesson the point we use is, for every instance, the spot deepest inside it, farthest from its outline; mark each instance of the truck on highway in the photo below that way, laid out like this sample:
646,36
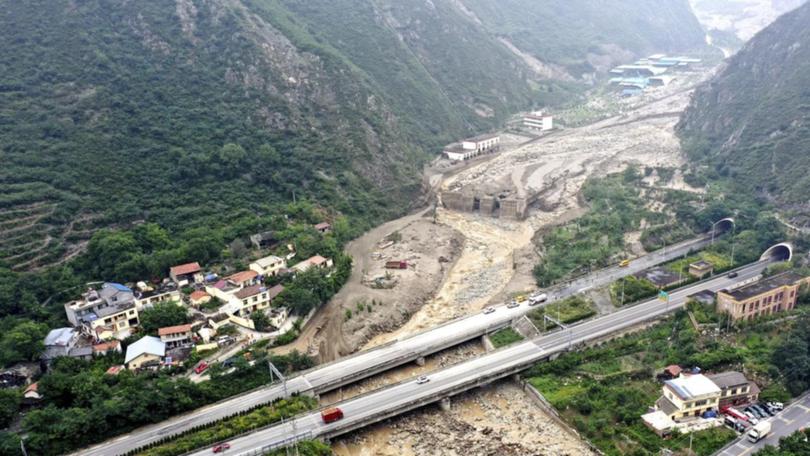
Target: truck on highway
537,299
759,431
624,263
331,415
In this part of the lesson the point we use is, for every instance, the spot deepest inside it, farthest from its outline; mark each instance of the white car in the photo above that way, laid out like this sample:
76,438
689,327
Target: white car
489,310
422,380
512,304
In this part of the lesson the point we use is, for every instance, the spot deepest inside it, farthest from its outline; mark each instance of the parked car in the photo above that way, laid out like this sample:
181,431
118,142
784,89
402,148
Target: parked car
777,406
222,447
759,410
751,418
489,310
422,380
201,367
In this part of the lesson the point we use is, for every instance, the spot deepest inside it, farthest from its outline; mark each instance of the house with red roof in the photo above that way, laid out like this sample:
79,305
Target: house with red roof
186,273
175,336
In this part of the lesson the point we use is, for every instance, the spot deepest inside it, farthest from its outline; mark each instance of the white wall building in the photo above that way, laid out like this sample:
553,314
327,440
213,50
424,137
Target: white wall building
268,266
538,120
472,147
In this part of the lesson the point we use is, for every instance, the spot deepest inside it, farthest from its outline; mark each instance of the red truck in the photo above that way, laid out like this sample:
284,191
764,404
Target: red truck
396,265
331,415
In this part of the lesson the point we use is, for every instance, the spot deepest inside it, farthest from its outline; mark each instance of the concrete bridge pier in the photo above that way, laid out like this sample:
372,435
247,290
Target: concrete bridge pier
420,361
445,404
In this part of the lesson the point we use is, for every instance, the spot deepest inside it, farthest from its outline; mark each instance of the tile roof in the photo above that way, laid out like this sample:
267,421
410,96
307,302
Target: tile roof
317,260
249,291
268,261
323,226
114,370
275,291
198,295
104,346
729,379
243,276
174,329
183,269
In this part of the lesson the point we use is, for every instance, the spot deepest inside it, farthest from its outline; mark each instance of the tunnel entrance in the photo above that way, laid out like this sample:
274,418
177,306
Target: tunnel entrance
723,226
778,252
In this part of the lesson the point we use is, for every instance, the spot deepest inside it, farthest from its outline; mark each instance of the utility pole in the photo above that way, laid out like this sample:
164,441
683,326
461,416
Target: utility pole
22,447
623,280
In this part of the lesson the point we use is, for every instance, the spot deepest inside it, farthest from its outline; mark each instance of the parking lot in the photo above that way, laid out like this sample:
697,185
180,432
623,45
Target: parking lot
794,417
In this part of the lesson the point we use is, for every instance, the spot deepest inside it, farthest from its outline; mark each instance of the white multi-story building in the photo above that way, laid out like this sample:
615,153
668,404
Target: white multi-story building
110,311
538,120
269,265
472,147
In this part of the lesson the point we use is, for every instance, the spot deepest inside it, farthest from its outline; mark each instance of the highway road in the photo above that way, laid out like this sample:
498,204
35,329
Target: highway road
794,417
389,401
364,364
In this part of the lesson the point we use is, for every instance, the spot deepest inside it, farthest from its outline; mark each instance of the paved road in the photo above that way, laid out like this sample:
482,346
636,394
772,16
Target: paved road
385,402
364,364
791,419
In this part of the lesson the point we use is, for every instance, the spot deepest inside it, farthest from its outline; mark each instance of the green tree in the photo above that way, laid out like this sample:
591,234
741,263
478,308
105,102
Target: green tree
261,321
10,399
163,314
24,342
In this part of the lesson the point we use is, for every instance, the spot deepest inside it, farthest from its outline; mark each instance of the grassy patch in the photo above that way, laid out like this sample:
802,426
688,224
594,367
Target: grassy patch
568,310
504,337
603,391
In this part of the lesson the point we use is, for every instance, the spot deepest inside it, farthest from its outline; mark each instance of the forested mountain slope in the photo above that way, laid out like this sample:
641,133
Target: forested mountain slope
752,121
192,112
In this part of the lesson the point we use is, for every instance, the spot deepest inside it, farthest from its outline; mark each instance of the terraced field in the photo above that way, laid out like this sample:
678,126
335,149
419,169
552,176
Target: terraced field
39,227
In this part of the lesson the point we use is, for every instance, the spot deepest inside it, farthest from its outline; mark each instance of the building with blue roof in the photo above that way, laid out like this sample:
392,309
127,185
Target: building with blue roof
107,312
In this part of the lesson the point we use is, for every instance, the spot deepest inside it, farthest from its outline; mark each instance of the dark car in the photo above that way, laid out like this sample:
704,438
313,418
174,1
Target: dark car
732,275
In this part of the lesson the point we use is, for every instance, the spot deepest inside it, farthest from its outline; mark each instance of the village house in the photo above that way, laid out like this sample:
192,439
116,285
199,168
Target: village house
146,352
316,261
175,336
243,279
65,342
268,266
186,273
110,312
149,295
735,389
251,299
198,298
689,395
323,228
31,394
764,297
103,348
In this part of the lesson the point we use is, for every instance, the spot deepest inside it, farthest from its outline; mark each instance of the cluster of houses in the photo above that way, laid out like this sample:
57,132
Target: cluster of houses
688,396
653,71
106,315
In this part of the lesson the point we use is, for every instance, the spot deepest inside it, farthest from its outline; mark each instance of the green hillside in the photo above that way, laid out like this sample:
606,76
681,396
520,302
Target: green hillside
750,124
585,35
192,113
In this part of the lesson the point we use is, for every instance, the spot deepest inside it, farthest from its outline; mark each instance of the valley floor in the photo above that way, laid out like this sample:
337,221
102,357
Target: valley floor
466,261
